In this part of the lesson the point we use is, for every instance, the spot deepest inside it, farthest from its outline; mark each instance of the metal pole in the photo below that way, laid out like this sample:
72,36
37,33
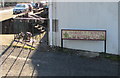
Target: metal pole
105,43
61,40
61,43
105,46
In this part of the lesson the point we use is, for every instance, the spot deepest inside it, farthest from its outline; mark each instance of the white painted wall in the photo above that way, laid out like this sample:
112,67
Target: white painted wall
119,29
87,15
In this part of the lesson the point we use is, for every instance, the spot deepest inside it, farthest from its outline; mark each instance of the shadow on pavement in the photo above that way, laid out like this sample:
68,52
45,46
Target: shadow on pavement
51,63
8,48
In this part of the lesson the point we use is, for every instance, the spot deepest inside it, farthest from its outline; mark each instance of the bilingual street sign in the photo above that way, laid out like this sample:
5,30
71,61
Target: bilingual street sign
97,35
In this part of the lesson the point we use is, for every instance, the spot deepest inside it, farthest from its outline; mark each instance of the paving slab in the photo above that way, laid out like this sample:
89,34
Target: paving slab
6,39
29,68
6,54
18,64
8,63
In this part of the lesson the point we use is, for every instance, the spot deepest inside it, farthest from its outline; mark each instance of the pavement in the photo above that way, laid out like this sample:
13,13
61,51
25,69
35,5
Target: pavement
6,39
60,64
46,62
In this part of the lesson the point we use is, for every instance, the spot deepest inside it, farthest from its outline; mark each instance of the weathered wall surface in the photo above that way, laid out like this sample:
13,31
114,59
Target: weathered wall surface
119,28
87,15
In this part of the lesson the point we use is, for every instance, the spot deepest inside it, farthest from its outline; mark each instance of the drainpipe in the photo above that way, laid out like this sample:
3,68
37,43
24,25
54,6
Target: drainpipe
50,23
3,3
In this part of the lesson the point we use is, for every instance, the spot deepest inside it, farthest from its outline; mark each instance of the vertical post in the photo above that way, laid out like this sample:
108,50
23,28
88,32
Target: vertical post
105,46
47,34
105,43
61,40
61,43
